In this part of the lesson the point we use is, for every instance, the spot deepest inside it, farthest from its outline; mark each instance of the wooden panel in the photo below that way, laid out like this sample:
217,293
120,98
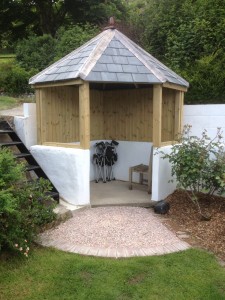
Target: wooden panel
178,121
96,112
59,111
84,115
38,114
175,86
157,115
168,114
62,83
127,115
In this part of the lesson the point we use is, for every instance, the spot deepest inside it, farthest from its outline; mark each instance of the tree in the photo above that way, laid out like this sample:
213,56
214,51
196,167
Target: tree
188,36
36,52
72,38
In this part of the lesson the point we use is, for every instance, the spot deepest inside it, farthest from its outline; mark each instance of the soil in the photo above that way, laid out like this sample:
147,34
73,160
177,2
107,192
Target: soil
184,218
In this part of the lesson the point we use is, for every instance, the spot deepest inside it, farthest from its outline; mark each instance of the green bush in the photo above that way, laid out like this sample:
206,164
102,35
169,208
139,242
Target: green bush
36,52
22,204
198,164
16,81
70,39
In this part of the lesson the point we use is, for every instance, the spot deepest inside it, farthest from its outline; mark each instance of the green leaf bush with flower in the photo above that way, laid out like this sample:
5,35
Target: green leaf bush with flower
198,164
23,208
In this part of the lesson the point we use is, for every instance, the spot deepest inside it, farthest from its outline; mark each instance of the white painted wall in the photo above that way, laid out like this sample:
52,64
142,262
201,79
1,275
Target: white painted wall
129,154
26,126
209,117
161,170
68,169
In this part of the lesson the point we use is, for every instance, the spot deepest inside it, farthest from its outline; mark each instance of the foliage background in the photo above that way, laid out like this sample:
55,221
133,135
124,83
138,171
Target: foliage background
188,36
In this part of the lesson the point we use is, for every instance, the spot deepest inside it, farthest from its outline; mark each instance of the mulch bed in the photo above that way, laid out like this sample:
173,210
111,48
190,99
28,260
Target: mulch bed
183,217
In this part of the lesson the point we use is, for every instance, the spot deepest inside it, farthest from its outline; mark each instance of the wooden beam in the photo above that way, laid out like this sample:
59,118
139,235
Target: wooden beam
178,122
38,114
60,83
84,115
64,145
168,143
157,115
175,86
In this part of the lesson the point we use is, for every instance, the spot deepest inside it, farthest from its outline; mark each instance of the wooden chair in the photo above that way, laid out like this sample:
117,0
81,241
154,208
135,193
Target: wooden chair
142,170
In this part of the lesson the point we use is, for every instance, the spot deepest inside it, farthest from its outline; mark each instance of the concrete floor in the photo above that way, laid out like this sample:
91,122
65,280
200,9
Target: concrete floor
118,193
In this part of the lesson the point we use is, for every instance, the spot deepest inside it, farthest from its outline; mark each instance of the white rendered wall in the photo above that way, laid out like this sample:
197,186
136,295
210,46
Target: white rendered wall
161,170
209,117
129,154
68,169
26,126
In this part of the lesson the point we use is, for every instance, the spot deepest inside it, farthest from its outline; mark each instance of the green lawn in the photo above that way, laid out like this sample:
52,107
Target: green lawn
8,102
51,274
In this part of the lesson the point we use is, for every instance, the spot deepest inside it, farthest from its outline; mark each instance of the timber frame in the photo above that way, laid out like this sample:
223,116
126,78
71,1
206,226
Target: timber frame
159,109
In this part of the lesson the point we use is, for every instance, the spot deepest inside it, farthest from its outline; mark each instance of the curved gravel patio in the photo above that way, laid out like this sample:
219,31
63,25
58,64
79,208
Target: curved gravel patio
113,232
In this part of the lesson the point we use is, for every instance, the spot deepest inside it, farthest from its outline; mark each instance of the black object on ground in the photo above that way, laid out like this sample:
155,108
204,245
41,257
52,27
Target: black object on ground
162,207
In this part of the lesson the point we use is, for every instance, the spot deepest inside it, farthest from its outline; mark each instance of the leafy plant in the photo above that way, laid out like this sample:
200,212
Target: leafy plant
22,205
198,164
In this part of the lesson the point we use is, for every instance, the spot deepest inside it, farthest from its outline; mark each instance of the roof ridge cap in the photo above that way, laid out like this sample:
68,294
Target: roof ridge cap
96,53
65,57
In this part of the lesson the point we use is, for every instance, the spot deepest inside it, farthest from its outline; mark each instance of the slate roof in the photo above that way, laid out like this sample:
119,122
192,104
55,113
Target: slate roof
109,57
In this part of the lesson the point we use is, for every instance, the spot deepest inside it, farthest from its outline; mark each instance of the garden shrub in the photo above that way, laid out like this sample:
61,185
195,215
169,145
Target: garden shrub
72,38
16,81
22,205
198,164
36,52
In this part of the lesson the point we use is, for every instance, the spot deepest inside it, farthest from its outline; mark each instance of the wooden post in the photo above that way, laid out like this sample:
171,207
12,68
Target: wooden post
157,115
179,99
38,115
84,115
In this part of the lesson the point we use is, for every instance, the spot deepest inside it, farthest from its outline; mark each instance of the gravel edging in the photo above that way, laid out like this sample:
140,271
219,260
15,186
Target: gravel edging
113,232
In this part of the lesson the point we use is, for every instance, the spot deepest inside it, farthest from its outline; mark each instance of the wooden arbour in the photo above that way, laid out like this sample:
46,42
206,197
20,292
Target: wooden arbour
72,113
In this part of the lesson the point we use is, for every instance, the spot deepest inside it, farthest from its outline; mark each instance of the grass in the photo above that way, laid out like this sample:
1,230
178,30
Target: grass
10,102
51,274
6,58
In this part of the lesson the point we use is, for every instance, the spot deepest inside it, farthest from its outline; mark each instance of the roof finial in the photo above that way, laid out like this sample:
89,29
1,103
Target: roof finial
111,23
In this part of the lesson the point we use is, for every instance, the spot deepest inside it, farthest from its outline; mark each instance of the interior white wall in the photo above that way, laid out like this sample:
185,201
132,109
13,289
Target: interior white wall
129,154
209,117
26,126
161,170
68,170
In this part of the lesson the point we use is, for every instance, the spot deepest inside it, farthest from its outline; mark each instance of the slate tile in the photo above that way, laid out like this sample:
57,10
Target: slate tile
94,76
109,77
143,70
72,75
125,52
111,51
100,68
62,69
114,68
130,68
116,44
120,60
152,78
74,61
140,78
124,77
134,61
105,59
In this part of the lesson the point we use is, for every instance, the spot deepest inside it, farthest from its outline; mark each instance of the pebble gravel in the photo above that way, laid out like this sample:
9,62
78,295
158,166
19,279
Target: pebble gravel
116,231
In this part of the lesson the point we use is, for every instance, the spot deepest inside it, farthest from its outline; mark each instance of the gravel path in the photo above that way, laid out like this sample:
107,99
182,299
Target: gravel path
113,232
